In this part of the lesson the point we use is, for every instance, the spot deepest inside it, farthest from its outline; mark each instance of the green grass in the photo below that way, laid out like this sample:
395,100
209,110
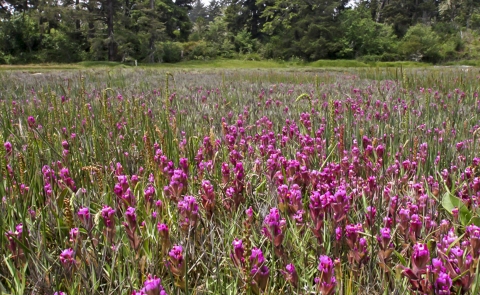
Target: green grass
342,63
472,63
219,64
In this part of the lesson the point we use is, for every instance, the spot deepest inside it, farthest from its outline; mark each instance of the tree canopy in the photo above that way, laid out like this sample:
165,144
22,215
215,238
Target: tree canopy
174,30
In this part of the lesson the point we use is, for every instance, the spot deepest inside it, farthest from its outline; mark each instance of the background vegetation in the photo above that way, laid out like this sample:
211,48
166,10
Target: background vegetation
153,31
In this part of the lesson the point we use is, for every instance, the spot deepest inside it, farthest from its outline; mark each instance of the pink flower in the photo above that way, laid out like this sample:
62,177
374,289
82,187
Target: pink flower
273,227
153,286
326,282
8,147
290,274
188,211
84,216
420,257
67,257
108,215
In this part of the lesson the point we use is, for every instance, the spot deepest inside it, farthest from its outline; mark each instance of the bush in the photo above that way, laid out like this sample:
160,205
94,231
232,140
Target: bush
370,58
420,43
244,43
6,59
198,50
273,49
59,47
362,36
252,56
171,52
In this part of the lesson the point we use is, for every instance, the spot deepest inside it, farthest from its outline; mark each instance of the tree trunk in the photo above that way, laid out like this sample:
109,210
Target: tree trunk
77,22
91,25
111,41
379,12
152,37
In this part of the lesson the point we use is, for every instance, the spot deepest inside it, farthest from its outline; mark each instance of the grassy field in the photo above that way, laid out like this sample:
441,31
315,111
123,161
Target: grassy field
219,64
248,178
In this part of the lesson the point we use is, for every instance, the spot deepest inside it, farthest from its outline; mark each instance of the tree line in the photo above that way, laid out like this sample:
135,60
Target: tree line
173,30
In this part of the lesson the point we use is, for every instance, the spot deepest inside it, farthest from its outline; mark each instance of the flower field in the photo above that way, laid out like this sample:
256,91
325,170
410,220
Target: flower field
240,182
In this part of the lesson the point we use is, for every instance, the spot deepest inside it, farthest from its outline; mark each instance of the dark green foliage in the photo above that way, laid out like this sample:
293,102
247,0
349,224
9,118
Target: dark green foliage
172,52
420,43
362,36
34,31
310,30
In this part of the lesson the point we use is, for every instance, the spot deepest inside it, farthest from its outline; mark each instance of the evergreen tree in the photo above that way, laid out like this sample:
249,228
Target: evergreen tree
306,29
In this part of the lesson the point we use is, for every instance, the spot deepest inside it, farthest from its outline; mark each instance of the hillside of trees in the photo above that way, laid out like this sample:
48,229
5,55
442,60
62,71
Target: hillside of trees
152,31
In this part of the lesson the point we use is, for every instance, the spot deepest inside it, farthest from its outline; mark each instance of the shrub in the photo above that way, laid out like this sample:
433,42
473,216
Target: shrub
171,52
198,50
252,56
420,43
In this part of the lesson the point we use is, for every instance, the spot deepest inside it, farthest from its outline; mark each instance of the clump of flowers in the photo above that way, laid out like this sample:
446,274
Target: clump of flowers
178,182
13,237
188,213
273,229
259,271
151,286
68,261
131,228
290,274
358,253
176,265
85,218
108,215
326,282
165,237
417,274
208,197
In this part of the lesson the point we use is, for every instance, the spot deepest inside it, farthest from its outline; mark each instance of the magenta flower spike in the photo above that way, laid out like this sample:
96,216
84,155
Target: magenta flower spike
237,254
474,238
257,258
108,215
74,232
443,284
31,122
67,257
260,275
153,286
290,274
85,217
164,235
188,211
273,227
8,147
149,193
420,257
208,197
176,262
131,217
326,282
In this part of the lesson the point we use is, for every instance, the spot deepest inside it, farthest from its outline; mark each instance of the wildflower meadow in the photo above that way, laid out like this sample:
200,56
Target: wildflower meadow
143,181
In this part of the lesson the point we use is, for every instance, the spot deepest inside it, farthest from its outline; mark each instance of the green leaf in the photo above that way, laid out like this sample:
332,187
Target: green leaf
450,202
475,220
400,257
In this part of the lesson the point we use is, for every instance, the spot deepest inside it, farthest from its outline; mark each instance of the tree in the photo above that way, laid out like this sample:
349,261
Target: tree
421,43
402,14
309,29
245,15
363,36
198,10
